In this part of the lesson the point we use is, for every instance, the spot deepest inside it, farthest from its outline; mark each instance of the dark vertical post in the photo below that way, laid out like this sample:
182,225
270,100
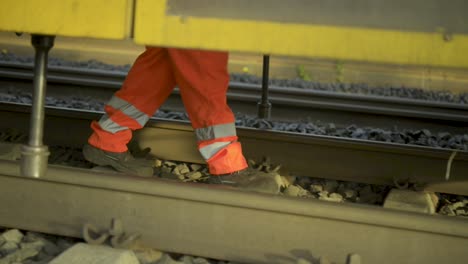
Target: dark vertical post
34,156
264,106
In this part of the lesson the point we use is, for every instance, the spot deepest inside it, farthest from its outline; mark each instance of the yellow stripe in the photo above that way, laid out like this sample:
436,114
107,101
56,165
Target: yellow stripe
109,19
361,44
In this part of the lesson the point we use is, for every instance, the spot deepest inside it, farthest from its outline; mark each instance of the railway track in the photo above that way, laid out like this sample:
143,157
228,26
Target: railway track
221,223
288,103
158,209
441,170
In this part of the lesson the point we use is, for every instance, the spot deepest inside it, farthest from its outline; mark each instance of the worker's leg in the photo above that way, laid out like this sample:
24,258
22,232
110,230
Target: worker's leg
148,84
203,79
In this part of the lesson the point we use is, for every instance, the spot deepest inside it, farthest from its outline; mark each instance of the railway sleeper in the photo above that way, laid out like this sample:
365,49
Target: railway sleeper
327,190
196,219
412,201
35,248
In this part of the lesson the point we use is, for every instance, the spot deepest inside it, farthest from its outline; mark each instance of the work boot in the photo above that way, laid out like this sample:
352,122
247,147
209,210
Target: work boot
251,180
120,161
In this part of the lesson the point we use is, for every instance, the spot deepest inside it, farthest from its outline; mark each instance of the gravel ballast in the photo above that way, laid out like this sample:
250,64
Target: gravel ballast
423,137
353,88
37,248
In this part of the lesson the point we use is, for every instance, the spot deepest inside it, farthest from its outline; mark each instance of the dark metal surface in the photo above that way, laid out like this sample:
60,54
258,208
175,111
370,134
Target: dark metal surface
222,223
264,106
289,103
302,155
34,156
415,15
42,45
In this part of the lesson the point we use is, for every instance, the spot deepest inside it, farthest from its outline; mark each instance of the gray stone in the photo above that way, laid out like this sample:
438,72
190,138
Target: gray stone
176,171
49,247
194,175
13,235
10,151
306,181
166,259
461,212
8,247
2,241
341,188
200,261
64,244
42,256
457,205
323,194
336,196
31,237
316,188
158,163
443,135
169,164
333,197
38,245
187,260
351,185
288,180
195,167
324,260
183,168
358,133
349,193
353,259
330,186
330,127
95,254
447,210
193,260
292,190
19,256
366,195
148,256
407,200
44,260
166,172
297,191
303,261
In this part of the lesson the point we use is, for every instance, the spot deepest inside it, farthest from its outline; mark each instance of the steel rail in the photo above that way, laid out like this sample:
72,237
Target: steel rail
301,155
288,103
223,223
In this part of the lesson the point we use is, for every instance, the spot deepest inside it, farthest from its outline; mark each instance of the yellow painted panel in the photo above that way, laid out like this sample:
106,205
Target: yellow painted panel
153,27
108,19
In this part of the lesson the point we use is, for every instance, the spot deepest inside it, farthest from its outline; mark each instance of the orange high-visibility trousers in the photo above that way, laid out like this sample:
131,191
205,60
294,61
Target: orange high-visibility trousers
203,80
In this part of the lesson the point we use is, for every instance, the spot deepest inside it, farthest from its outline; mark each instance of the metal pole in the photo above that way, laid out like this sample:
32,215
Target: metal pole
264,106
34,156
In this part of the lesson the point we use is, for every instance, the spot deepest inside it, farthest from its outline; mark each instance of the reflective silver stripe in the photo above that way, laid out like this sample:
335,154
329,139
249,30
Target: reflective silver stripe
129,110
110,126
216,131
208,151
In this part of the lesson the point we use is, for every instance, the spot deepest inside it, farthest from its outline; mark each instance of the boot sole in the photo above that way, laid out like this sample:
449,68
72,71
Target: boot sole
98,157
